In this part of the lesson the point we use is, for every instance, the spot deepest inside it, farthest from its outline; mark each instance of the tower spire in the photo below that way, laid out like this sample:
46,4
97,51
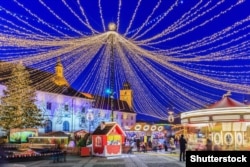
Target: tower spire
59,78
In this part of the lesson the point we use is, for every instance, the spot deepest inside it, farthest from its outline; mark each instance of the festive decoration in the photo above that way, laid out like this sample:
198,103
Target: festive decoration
17,108
153,128
145,127
154,47
160,128
138,127
171,116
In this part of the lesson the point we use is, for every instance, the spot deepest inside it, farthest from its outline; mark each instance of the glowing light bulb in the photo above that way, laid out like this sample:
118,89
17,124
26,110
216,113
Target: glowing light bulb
112,27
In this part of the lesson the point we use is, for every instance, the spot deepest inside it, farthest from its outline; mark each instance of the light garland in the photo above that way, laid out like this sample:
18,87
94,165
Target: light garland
160,73
101,15
133,17
86,18
118,15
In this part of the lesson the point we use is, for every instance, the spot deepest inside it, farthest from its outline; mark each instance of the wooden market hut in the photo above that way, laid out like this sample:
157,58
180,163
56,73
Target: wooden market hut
107,139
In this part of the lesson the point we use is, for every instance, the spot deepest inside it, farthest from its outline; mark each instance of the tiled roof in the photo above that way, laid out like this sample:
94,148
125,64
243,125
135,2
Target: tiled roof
105,103
42,81
107,128
57,133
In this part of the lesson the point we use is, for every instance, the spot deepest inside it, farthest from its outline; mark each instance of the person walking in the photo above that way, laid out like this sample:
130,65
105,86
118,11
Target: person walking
138,144
165,143
182,143
209,145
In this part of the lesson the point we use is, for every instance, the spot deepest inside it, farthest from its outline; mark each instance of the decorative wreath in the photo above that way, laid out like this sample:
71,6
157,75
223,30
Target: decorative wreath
239,138
160,128
137,127
171,118
217,138
153,127
145,127
228,138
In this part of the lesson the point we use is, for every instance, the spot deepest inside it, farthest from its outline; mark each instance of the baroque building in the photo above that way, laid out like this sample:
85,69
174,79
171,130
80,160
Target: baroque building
65,109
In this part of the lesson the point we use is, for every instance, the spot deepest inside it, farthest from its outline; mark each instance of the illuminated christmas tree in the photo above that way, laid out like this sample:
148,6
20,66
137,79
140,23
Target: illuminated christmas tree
18,108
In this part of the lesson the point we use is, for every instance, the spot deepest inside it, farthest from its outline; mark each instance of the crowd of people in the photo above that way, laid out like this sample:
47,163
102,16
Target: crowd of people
169,144
164,144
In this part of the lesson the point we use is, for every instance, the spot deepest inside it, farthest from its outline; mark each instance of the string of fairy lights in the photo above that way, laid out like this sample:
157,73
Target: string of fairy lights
162,69
162,34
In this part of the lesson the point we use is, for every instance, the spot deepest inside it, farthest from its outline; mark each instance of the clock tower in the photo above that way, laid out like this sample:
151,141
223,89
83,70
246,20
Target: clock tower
126,94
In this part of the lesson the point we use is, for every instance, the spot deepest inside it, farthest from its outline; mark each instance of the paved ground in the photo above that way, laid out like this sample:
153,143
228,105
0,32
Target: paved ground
149,159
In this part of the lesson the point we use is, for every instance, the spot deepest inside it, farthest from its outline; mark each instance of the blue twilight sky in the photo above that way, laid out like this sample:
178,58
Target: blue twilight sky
177,55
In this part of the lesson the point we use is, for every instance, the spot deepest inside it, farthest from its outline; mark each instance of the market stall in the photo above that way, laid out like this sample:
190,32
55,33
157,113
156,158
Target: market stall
52,139
19,135
107,139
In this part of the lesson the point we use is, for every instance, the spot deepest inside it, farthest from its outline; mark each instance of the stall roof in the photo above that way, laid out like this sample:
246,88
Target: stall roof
107,129
57,133
81,131
226,102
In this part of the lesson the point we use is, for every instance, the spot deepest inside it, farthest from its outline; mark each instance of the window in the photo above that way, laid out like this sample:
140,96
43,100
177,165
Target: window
48,106
83,110
132,118
66,126
48,126
66,107
98,141
121,116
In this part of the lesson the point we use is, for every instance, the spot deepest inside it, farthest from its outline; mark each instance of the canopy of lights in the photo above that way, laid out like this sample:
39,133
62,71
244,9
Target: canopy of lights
177,55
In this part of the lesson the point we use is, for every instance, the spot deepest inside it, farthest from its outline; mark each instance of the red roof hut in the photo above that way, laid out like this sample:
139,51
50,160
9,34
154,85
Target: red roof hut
107,139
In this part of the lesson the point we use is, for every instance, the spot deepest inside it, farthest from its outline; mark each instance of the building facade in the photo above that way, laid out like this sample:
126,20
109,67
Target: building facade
65,109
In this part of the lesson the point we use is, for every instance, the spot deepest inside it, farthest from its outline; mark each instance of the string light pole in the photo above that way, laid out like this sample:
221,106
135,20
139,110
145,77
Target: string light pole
112,28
